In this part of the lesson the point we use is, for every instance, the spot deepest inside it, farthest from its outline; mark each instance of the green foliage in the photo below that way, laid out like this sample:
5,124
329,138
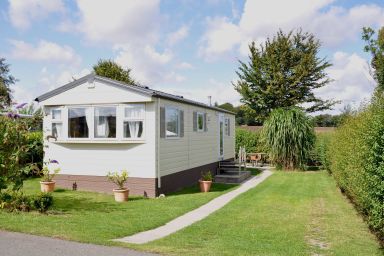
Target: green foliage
283,73
14,150
42,202
206,176
118,178
15,201
375,46
357,161
35,152
290,137
47,174
6,80
250,140
320,154
112,70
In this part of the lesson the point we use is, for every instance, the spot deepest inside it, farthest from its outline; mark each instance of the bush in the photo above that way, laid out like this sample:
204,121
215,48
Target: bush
35,152
15,201
43,202
250,140
357,162
320,154
290,137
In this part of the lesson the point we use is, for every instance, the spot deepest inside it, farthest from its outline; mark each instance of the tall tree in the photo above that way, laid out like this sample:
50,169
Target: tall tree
6,80
375,46
111,69
283,72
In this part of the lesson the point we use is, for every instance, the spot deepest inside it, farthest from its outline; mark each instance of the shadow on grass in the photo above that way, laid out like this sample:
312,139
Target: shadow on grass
216,187
254,171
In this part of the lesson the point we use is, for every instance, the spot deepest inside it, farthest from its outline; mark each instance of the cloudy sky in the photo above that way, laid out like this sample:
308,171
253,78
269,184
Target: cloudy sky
185,47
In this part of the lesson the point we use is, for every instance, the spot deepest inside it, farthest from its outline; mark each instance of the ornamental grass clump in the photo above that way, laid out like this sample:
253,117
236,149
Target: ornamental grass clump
289,137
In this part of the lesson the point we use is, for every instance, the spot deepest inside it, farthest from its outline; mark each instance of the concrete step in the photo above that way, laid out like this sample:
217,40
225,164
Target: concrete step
232,177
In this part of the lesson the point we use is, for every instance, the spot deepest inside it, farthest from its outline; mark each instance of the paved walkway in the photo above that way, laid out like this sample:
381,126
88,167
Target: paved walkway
195,215
18,244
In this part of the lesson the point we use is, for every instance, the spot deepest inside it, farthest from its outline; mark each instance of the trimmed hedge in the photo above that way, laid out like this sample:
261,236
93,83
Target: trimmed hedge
320,153
357,162
250,139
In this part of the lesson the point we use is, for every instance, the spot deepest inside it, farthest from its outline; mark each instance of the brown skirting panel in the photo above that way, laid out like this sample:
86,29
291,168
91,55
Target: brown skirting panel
179,180
137,186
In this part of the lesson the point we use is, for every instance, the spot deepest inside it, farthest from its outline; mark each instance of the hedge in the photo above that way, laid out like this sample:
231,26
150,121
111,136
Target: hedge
357,162
250,140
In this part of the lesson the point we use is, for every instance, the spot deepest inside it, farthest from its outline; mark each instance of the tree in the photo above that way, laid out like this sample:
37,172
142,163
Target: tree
228,106
283,73
289,136
376,48
6,80
111,69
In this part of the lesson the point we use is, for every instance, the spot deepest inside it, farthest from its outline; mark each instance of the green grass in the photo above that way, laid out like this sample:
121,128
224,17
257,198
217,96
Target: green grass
291,213
96,218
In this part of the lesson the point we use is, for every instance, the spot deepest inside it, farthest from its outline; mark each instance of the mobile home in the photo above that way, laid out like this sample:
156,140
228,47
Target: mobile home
94,125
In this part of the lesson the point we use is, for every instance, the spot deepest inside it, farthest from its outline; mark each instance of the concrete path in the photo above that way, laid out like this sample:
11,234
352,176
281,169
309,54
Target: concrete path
195,215
18,244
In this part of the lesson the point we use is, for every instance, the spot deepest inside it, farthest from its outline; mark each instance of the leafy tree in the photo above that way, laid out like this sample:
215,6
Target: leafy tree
228,106
289,136
375,46
246,116
6,80
283,72
111,69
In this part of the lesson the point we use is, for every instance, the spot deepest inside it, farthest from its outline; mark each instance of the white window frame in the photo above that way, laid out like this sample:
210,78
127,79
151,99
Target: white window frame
178,122
227,128
197,121
124,118
93,108
57,121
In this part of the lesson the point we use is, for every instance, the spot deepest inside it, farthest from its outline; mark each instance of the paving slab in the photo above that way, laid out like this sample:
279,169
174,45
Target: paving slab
194,215
19,244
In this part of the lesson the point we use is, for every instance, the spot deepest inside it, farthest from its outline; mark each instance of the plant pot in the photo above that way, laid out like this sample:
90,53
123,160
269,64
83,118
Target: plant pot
205,185
47,186
121,195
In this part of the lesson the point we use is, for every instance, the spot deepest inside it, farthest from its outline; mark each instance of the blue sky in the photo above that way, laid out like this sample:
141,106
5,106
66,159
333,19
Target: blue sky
185,47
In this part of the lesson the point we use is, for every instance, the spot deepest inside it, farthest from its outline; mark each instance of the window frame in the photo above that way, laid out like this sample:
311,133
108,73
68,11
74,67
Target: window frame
93,109
197,121
124,119
177,109
56,121
227,127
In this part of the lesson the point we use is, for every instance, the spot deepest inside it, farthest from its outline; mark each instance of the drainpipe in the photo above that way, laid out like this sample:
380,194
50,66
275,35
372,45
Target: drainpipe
158,144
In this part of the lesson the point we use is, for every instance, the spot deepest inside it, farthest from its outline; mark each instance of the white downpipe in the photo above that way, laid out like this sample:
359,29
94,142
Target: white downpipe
158,145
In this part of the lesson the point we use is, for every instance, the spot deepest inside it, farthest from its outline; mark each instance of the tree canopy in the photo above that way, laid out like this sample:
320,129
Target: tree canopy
6,80
283,72
375,46
111,69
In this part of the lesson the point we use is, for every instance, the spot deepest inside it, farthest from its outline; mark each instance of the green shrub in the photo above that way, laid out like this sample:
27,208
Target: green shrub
249,139
35,152
15,201
320,154
43,202
357,162
290,137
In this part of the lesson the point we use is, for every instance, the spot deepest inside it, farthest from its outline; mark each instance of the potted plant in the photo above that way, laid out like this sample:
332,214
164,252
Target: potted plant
121,193
47,184
205,181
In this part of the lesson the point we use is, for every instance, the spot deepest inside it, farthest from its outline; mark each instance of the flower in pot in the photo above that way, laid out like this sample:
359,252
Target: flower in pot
121,193
205,181
47,184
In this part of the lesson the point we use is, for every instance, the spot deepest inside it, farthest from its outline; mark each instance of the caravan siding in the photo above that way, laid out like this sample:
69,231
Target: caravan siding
195,148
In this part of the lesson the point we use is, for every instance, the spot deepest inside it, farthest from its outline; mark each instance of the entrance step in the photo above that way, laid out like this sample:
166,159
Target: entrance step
232,177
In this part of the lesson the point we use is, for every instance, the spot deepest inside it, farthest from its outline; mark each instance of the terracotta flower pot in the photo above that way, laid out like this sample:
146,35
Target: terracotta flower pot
47,186
205,185
121,195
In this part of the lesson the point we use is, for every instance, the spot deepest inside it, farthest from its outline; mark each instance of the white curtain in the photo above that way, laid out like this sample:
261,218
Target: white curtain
102,126
134,127
88,117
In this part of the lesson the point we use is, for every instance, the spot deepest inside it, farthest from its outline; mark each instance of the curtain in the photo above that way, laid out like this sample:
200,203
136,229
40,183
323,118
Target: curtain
102,126
134,127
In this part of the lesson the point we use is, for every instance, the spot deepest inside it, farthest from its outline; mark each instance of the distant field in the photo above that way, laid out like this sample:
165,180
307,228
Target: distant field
258,128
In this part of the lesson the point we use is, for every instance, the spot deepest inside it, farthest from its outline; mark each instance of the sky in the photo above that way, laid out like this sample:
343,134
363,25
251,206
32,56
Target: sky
186,47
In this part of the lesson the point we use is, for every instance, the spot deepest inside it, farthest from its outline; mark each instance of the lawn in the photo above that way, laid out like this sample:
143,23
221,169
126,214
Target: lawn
294,213
96,218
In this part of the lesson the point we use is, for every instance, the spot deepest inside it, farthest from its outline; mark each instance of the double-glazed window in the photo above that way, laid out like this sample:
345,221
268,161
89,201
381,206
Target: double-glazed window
123,122
200,122
56,123
227,126
133,121
172,122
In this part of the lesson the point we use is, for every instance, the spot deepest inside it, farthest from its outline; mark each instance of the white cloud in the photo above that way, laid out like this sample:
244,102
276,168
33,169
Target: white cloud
119,21
261,19
22,12
185,65
44,51
352,83
178,35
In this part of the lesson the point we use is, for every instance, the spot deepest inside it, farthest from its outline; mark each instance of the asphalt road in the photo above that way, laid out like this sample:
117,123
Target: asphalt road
18,244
